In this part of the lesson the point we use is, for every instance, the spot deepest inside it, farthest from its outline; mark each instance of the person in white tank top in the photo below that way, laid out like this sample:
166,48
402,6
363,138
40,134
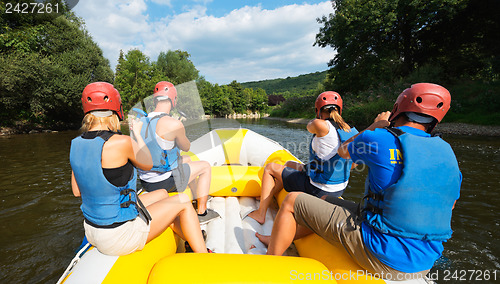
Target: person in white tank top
292,176
151,176
326,147
170,133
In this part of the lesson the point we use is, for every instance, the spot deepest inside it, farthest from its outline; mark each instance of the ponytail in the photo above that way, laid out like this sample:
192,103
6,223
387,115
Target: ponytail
112,122
335,116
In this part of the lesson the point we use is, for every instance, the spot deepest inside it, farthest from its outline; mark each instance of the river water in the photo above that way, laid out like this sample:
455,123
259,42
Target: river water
41,223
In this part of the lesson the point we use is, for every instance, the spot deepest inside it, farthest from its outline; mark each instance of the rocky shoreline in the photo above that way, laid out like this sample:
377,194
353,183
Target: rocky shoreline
453,128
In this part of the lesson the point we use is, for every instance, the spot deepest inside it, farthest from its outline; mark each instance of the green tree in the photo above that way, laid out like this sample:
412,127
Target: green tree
378,40
133,77
467,45
258,101
238,97
214,100
45,62
176,67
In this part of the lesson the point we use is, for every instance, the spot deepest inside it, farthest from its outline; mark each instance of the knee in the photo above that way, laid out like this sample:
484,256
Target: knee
184,199
205,167
160,193
271,168
289,201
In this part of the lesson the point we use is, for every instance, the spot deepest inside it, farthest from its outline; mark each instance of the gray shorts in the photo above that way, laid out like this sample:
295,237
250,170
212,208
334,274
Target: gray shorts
337,223
177,182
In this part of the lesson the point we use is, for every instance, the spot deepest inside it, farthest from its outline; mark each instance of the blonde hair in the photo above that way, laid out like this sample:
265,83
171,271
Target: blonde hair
90,120
335,116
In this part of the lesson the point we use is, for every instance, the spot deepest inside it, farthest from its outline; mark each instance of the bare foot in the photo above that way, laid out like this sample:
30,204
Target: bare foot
264,239
255,215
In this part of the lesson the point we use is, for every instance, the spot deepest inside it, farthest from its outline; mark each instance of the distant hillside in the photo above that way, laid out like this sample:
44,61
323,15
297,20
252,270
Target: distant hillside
291,84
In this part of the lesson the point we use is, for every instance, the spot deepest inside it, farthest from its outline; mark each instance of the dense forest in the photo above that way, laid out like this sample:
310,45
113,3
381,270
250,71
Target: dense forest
45,62
385,46
382,47
289,86
136,76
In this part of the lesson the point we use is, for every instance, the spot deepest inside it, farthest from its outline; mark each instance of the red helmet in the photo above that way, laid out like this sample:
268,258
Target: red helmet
102,96
166,89
328,98
424,98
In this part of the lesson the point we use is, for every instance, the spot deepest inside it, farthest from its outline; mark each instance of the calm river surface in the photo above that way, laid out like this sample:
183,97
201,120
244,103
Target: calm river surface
41,223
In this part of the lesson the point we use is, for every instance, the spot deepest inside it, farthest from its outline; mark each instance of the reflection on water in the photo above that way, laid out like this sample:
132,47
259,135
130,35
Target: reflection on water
41,222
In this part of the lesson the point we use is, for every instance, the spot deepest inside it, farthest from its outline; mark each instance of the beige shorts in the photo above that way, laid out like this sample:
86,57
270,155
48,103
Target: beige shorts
122,240
337,224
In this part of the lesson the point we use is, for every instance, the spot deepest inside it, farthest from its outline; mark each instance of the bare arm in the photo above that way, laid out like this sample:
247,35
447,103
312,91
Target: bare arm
318,127
74,185
141,157
137,152
181,139
380,121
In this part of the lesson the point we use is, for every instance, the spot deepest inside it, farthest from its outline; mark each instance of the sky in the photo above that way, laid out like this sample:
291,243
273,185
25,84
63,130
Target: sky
242,40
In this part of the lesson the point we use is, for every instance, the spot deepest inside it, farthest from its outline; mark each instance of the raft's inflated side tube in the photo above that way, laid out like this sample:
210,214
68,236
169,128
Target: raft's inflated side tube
344,269
237,157
95,267
238,268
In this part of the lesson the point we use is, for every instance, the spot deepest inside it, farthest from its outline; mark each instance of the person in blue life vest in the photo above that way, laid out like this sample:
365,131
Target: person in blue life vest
116,220
165,137
326,174
413,182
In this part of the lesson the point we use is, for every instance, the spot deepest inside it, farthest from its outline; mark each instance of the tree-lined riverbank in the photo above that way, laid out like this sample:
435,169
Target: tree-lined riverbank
444,128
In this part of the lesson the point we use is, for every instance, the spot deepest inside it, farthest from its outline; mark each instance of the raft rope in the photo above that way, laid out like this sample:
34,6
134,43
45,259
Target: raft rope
73,262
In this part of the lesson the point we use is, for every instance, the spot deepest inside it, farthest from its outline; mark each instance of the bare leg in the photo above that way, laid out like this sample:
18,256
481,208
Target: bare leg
294,165
175,209
192,184
202,171
185,159
300,232
271,184
284,228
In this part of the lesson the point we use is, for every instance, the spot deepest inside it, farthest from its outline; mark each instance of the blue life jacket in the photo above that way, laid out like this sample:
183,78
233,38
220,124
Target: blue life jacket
419,205
335,170
163,160
102,202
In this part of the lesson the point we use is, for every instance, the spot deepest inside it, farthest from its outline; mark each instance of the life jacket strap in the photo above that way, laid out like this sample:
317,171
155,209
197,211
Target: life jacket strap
143,210
111,226
315,165
374,196
369,207
395,131
366,206
149,122
139,205
372,208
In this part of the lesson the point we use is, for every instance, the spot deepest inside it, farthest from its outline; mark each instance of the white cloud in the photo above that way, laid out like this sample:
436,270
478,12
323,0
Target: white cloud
250,43
163,2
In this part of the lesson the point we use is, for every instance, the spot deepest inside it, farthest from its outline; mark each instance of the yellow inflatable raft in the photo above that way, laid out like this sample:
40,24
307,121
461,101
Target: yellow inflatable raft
238,157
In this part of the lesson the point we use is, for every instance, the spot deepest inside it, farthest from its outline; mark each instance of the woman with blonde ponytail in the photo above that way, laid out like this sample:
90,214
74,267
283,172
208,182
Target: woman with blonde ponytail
326,174
117,221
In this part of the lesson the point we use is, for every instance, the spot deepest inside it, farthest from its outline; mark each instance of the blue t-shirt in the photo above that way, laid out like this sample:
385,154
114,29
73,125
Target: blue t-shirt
380,151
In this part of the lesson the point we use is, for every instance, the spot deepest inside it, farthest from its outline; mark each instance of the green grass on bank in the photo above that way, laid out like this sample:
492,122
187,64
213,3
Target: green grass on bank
472,102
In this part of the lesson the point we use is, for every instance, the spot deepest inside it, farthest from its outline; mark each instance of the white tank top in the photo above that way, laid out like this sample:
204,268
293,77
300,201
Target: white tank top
326,147
165,145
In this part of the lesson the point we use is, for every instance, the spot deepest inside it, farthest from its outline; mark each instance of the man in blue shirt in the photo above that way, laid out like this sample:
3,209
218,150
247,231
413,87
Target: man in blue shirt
413,183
